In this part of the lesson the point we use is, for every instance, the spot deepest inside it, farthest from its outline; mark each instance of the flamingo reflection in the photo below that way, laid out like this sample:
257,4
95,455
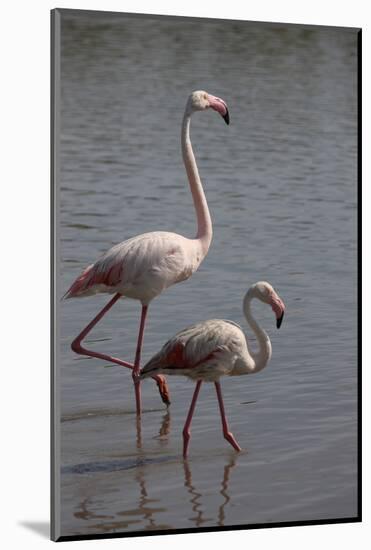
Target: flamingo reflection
150,513
195,501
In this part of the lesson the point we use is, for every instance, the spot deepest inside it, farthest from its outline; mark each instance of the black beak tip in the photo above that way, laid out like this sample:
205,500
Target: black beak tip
279,321
226,117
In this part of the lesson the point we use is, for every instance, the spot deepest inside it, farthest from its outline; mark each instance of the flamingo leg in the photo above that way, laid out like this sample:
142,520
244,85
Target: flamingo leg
227,434
136,369
186,429
76,344
78,348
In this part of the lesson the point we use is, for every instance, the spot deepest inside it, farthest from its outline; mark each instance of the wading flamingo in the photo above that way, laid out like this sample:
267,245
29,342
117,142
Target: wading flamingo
143,266
208,350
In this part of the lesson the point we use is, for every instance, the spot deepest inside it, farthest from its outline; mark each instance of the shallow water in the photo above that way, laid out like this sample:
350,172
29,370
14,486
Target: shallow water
281,186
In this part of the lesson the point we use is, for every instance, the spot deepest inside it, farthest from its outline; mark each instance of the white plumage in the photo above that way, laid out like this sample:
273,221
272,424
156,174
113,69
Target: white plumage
142,267
205,351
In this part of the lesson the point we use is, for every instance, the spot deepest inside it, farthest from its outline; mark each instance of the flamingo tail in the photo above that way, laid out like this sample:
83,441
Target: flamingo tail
81,284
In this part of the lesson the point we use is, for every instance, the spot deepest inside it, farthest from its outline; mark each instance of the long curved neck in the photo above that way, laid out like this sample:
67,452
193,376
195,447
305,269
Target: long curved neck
262,357
204,225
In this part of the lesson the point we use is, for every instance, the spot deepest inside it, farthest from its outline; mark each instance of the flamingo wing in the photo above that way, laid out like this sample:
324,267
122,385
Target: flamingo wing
148,263
200,350
104,274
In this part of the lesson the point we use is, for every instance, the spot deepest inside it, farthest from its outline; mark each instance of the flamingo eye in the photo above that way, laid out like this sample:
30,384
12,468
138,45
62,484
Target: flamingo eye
267,293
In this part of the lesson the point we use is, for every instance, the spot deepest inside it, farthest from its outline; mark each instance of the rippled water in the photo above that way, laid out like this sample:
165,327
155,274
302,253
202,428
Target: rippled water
281,185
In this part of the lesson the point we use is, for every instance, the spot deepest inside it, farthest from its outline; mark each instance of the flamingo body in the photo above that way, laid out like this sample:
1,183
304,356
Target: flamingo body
205,351
141,267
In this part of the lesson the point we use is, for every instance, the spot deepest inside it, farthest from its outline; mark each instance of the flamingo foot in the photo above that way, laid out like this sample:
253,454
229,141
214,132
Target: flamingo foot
163,388
231,439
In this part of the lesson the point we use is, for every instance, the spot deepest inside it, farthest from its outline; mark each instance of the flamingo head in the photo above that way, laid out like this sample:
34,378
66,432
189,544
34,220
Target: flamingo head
266,293
201,100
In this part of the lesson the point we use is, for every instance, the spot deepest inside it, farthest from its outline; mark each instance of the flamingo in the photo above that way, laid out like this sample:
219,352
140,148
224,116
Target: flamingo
144,266
208,350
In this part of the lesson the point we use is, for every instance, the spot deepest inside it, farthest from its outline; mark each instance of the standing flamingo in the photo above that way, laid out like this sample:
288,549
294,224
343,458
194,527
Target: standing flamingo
211,349
143,266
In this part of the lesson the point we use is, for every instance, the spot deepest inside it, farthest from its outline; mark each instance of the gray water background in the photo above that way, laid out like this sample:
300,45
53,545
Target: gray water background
281,186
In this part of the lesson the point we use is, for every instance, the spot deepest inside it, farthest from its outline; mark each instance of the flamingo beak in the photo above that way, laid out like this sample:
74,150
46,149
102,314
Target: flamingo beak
278,307
279,320
220,106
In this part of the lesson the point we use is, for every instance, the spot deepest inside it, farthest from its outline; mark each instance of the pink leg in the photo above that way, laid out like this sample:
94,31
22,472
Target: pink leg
227,434
77,348
186,429
159,378
136,369
76,344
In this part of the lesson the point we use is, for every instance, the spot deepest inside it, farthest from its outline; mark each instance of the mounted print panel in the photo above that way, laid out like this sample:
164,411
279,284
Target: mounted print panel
205,182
